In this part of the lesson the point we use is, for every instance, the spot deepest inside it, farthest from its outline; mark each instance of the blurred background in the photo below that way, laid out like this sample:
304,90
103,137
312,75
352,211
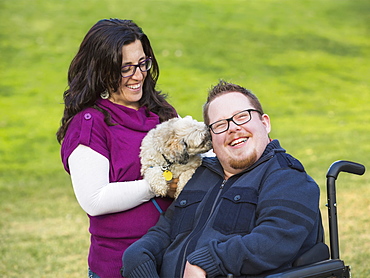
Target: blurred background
307,61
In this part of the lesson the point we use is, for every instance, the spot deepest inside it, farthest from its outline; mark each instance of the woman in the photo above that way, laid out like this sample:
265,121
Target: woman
110,105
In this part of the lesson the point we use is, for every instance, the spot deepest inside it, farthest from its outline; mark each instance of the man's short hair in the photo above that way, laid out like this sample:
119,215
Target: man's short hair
224,87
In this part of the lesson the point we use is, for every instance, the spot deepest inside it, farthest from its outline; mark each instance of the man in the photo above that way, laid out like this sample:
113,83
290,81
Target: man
250,211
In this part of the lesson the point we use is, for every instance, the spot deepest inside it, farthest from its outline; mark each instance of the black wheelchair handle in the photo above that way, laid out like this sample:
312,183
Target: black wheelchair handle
331,176
345,166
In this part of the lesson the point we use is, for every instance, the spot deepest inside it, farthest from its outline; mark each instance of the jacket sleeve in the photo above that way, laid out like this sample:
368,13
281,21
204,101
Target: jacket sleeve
144,256
286,214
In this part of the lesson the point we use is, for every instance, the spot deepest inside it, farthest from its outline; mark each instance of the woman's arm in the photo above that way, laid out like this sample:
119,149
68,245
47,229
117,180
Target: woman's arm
90,178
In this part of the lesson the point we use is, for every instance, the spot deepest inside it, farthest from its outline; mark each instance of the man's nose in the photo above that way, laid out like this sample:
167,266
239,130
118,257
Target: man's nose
233,126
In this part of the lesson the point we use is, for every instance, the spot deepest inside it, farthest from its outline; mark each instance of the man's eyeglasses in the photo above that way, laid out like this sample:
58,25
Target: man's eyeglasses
239,118
129,70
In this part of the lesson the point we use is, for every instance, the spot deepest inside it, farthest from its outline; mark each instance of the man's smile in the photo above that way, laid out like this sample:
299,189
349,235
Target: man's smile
238,141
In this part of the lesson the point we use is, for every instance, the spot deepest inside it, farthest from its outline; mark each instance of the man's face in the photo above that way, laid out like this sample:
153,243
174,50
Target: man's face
241,145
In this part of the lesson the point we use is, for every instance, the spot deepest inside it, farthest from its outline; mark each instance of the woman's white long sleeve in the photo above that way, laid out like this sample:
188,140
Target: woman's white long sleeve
90,179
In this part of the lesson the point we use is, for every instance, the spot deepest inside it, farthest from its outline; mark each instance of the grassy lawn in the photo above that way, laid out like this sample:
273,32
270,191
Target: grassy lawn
307,61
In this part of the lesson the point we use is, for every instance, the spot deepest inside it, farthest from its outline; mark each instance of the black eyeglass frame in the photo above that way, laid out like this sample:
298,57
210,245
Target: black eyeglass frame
232,119
138,66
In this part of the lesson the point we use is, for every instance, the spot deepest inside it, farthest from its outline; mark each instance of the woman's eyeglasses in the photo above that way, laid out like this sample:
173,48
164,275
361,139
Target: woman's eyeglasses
129,70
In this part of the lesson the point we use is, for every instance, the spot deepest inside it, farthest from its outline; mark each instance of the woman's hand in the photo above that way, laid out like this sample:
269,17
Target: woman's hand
172,186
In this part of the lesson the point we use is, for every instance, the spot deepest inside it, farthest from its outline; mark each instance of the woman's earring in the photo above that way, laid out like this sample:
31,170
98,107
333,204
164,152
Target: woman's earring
105,94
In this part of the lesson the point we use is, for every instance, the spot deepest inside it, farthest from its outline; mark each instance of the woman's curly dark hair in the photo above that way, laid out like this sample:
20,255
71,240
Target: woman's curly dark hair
97,67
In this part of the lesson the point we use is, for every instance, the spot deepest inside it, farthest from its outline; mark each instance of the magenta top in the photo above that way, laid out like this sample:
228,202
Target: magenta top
111,234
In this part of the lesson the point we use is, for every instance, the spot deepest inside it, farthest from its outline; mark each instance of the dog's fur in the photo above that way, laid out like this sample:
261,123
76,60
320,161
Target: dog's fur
174,145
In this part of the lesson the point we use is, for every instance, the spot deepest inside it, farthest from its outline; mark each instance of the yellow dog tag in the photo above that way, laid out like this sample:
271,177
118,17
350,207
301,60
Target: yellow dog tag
167,175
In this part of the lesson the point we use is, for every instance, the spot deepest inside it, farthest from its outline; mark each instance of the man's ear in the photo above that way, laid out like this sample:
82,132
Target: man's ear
266,122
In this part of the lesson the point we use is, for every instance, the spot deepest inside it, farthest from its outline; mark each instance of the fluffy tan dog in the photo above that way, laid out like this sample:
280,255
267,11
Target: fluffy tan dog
172,150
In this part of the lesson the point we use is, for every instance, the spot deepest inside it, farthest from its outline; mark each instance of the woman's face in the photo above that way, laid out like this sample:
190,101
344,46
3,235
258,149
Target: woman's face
130,90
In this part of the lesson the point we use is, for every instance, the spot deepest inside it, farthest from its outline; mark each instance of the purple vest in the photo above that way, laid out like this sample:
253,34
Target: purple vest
111,234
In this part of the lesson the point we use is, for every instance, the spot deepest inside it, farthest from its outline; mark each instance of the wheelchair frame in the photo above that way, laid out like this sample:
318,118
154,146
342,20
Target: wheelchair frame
333,267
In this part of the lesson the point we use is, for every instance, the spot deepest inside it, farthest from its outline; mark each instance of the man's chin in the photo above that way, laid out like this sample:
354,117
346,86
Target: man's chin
241,164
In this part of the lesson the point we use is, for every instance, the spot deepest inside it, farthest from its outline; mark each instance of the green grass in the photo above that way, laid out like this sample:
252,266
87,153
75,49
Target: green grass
307,61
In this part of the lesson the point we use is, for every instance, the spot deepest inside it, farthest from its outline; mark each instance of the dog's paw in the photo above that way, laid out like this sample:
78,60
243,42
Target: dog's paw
157,183
159,190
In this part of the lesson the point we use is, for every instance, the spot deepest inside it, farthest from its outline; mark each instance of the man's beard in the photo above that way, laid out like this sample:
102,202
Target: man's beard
241,164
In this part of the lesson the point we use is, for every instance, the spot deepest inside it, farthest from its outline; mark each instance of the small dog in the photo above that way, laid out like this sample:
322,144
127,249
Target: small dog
172,150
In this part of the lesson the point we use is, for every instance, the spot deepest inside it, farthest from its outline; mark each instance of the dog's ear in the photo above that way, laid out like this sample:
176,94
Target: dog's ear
175,149
184,157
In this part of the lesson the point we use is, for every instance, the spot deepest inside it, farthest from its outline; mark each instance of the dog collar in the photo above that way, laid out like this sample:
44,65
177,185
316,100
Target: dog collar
169,163
167,174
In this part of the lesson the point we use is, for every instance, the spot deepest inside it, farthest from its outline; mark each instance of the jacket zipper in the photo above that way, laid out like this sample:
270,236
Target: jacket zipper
209,216
183,262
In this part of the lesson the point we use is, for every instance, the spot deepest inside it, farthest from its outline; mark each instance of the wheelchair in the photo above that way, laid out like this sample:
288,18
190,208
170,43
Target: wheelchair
318,262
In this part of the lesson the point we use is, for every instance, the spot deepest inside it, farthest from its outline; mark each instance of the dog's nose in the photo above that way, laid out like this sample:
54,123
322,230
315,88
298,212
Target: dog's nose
208,137
207,142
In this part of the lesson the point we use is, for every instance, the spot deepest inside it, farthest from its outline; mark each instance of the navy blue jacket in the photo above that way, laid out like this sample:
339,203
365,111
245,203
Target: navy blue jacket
254,223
